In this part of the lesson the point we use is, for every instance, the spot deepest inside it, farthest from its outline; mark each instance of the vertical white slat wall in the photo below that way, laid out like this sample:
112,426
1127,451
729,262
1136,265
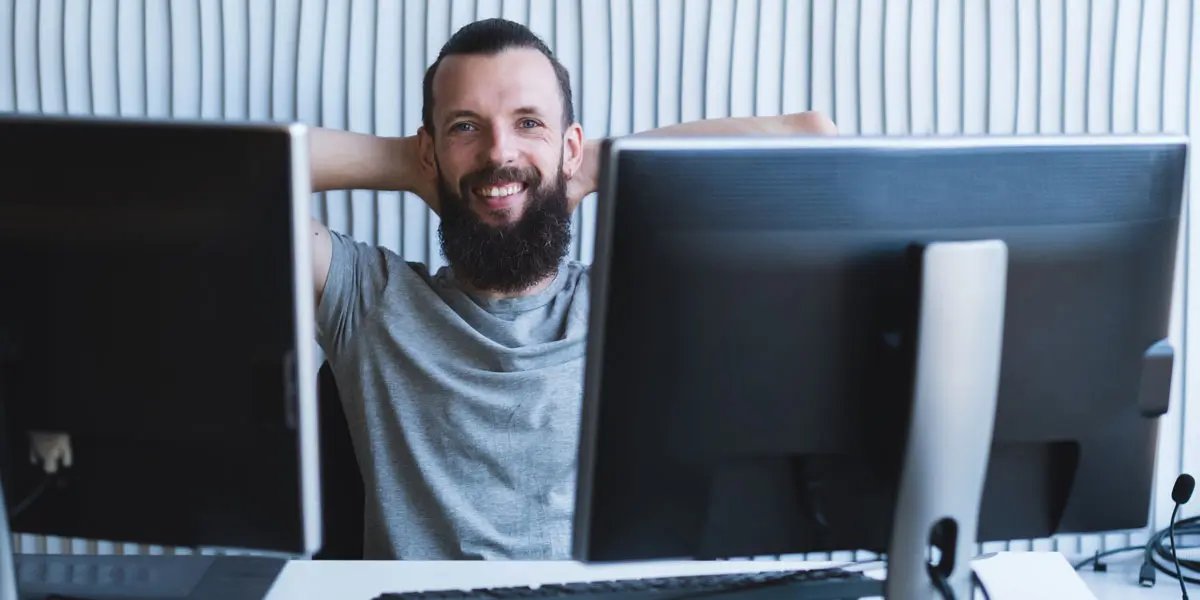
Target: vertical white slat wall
877,67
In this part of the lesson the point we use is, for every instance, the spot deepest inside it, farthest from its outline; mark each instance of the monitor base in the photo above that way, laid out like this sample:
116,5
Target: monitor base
958,345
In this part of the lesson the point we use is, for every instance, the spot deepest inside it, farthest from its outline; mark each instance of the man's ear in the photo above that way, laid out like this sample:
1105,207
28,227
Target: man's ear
428,159
572,150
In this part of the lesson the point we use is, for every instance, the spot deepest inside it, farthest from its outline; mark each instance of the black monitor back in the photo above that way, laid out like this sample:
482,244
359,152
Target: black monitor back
154,310
750,374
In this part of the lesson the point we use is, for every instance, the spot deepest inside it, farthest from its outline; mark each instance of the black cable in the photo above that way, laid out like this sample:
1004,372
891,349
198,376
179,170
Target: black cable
979,584
1158,556
1107,553
31,497
1162,558
940,584
1168,570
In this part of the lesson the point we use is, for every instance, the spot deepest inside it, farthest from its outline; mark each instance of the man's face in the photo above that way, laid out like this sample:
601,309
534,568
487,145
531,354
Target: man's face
502,159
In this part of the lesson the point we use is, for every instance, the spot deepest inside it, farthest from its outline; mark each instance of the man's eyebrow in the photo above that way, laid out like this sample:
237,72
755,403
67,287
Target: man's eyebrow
468,114
461,113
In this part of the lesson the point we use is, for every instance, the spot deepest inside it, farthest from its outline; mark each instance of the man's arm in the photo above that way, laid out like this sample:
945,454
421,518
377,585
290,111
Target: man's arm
805,123
342,160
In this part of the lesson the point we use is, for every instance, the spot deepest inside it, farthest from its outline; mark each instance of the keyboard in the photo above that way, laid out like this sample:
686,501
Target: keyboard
816,584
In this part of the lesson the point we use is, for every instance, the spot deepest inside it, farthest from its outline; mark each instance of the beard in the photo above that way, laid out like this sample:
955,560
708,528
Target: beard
515,256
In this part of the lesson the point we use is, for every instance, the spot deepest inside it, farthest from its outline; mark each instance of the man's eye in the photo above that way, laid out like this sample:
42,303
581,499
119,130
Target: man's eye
462,127
530,123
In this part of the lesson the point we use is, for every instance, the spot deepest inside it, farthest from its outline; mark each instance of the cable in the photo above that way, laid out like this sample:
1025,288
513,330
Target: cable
1190,527
32,496
1158,556
1100,566
980,586
1180,494
940,584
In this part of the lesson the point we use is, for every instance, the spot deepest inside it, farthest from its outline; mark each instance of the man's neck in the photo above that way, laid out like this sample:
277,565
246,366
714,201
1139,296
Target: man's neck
538,287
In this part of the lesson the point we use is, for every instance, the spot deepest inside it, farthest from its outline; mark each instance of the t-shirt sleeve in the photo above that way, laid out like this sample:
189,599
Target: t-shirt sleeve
358,274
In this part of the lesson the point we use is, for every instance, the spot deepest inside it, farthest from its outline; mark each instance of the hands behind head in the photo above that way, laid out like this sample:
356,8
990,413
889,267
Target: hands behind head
580,184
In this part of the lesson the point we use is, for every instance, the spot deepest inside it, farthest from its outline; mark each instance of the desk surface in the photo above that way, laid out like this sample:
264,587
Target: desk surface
365,580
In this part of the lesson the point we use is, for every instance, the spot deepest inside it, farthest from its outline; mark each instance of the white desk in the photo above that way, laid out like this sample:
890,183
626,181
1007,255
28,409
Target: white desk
302,580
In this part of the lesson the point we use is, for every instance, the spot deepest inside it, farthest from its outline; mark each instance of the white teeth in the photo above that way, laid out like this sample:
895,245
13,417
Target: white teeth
498,191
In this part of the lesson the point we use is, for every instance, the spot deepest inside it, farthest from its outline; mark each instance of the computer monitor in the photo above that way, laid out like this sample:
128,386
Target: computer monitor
750,370
158,309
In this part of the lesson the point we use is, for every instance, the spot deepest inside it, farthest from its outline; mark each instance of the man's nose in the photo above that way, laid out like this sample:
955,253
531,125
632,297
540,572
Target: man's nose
501,148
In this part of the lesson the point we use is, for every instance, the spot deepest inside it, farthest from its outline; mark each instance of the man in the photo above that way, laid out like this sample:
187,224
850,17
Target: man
462,387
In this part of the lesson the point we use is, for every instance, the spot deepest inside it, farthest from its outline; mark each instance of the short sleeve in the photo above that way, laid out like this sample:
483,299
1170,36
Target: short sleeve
358,274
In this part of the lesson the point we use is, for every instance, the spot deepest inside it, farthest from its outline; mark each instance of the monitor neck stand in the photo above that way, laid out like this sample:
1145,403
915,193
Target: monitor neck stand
957,371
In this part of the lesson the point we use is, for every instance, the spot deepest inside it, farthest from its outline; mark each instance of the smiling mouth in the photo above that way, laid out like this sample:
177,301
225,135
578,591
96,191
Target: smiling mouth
499,191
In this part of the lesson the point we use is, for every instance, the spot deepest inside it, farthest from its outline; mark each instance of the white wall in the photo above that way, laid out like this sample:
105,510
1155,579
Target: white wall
877,67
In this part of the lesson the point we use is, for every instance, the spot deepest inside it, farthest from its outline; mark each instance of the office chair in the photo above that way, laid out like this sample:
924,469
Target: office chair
341,481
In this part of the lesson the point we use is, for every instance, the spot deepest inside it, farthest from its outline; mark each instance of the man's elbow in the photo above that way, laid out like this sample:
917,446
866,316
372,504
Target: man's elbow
811,123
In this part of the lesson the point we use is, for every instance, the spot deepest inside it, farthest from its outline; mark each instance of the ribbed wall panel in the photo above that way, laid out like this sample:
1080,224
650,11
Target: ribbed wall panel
878,67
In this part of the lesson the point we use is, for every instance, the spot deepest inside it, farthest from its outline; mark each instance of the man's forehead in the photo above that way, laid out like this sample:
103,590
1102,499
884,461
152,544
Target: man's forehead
511,80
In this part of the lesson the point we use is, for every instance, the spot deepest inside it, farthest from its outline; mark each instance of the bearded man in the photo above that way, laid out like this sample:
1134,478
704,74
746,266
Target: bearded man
462,387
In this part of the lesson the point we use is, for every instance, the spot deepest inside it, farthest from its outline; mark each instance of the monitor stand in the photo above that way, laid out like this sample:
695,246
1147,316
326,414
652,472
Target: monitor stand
957,371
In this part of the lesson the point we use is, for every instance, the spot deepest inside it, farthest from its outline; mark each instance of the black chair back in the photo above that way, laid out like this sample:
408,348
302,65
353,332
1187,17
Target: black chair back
341,481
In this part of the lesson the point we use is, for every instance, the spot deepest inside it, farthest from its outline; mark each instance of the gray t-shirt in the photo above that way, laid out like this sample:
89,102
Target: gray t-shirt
464,411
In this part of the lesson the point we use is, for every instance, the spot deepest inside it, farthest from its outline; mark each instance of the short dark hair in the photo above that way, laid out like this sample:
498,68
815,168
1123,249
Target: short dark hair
490,37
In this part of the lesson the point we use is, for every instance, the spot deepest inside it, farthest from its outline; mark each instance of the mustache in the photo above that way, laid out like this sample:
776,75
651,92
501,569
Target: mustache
495,175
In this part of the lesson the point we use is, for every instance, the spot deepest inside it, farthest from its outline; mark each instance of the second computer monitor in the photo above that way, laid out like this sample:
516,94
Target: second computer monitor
159,310
750,369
